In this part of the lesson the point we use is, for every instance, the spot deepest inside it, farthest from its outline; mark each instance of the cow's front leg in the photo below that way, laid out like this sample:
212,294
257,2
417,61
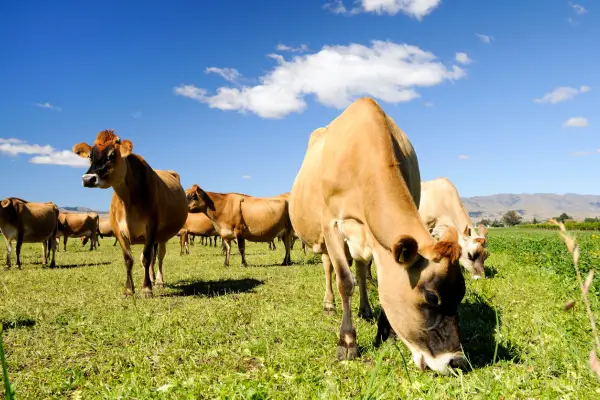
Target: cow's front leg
364,310
147,261
18,250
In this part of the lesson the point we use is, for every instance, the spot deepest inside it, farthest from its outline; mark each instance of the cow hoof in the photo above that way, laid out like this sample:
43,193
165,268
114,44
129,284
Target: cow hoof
244,265
146,292
52,265
365,314
328,308
127,292
160,285
347,353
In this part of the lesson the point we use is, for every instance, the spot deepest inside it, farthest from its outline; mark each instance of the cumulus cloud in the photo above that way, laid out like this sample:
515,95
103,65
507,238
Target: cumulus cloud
48,106
484,38
463,58
43,154
229,74
302,49
463,157
579,9
336,75
247,177
413,8
562,93
576,122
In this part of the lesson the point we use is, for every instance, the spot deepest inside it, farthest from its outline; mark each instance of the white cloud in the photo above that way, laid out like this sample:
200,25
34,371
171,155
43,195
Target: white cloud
413,8
562,93
579,9
302,49
137,114
229,74
247,177
484,38
463,58
428,104
581,153
335,75
48,106
576,122
463,157
45,154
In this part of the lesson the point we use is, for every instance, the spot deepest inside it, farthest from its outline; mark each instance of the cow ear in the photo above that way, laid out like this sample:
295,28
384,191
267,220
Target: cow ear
405,250
5,203
206,198
448,246
125,148
82,149
482,230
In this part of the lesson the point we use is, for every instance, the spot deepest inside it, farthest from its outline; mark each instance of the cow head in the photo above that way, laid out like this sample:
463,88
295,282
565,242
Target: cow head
420,288
107,160
474,251
198,200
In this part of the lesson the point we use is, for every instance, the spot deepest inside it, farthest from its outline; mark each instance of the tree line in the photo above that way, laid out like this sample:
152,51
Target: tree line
513,218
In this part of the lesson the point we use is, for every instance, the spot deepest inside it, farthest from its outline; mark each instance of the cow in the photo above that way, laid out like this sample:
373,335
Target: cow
148,206
441,207
197,224
104,230
184,238
77,225
356,197
28,222
243,217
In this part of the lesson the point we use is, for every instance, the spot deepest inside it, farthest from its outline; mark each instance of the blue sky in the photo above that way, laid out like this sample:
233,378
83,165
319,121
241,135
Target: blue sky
181,80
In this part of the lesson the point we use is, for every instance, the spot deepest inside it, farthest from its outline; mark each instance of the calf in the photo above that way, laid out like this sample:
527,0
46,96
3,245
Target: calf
28,222
243,217
148,206
355,198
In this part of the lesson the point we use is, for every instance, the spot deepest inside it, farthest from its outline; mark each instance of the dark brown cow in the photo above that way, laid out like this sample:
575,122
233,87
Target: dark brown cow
243,217
148,206
77,225
28,222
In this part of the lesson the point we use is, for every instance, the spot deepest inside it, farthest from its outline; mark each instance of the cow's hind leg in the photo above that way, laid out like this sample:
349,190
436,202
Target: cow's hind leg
227,250
52,247
328,300
162,251
18,250
287,242
242,247
347,349
364,310
45,252
8,252
147,261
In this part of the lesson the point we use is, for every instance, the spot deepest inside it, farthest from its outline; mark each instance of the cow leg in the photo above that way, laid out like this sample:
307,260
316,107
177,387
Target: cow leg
8,251
364,310
369,274
152,263
128,258
162,251
147,258
242,247
45,252
19,244
52,248
287,242
115,243
328,300
65,241
304,247
293,242
346,349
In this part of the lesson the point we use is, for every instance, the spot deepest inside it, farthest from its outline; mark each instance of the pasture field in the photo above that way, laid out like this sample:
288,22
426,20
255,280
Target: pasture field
259,332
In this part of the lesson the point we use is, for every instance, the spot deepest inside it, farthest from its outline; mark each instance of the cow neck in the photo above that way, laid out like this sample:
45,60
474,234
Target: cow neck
218,200
134,188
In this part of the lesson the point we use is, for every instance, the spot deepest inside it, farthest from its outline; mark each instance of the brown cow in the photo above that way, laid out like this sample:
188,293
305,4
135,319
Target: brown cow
441,207
28,222
243,217
148,206
77,225
355,197
184,237
197,224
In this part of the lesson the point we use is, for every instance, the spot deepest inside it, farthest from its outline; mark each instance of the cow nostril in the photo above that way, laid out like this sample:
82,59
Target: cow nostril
458,362
93,180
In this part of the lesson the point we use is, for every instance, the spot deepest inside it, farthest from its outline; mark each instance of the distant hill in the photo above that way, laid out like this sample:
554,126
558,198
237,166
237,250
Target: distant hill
538,205
82,210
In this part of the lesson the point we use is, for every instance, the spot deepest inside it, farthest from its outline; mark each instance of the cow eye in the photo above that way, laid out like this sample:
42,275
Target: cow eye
431,298
111,155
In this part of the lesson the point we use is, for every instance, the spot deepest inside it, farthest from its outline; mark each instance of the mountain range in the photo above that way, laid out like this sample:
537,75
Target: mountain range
536,205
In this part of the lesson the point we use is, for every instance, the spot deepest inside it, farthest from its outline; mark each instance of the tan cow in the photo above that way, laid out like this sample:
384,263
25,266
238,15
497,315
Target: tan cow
243,217
77,225
197,224
148,206
356,196
441,207
28,222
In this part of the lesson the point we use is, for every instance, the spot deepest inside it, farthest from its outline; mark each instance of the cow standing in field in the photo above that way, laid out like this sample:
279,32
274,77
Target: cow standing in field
27,222
441,207
243,217
77,225
104,230
198,224
355,197
148,206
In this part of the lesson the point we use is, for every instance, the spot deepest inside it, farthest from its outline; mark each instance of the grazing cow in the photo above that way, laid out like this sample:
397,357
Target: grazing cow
148,206
355,197
77,225
28,222
243,217
441,207
197,224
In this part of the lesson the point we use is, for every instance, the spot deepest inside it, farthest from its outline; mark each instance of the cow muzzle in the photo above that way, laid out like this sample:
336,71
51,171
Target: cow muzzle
90,180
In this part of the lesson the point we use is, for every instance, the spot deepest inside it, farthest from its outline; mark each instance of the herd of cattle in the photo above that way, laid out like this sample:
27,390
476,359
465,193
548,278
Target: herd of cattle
357,197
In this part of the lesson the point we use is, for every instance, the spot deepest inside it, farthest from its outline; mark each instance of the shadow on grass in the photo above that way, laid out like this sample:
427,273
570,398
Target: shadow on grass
66,266
477,321
213,288
18,322
490,271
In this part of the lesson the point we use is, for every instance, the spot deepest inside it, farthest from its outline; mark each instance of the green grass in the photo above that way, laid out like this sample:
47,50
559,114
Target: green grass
259,332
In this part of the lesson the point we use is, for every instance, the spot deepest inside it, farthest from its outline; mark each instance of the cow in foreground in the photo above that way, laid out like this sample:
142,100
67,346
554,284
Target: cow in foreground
441,207
148,206
28,222
355,197
77,225
241,217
